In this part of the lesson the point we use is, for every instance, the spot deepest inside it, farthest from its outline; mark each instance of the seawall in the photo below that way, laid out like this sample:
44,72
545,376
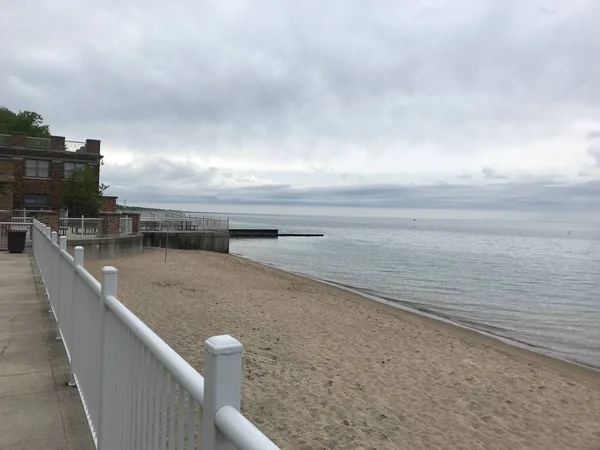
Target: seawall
214,241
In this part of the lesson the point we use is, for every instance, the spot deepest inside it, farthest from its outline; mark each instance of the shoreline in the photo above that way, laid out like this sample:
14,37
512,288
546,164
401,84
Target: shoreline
520,348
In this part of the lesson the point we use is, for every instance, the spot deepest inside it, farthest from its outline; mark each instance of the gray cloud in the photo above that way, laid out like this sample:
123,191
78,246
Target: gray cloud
594,150
594,134
315,95
210,186
595,154
492,174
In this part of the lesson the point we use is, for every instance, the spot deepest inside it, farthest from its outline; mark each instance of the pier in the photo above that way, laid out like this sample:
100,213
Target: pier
268,233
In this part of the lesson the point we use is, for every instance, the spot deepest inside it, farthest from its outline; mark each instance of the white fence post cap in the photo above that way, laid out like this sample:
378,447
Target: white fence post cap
109,269
223,345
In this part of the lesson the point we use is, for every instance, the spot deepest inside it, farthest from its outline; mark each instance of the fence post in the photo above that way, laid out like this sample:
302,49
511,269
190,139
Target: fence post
109,287
82,224
222,386
52,277
78,261
62,242
62,245
47,254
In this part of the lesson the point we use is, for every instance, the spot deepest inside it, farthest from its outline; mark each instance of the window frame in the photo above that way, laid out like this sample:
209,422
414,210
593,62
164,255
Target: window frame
37,168
37,205
75,165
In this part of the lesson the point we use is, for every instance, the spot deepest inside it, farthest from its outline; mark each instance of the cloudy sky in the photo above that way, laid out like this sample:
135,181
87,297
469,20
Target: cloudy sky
466,104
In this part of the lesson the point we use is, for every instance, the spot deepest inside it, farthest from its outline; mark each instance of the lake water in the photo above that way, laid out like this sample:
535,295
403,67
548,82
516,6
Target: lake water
535,283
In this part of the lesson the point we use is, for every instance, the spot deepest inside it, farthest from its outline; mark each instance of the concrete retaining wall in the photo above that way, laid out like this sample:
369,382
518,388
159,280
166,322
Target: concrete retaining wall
107,247
213,241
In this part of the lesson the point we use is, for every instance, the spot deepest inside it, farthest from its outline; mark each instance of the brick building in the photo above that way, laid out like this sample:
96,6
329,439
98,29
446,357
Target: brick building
33,171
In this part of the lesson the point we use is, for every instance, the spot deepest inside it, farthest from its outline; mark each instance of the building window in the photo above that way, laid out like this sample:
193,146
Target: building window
37,168
34,201
69,166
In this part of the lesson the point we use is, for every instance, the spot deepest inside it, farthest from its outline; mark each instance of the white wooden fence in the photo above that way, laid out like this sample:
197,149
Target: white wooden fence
137,392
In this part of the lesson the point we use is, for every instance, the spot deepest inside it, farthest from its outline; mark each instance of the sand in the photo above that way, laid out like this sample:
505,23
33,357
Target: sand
329,369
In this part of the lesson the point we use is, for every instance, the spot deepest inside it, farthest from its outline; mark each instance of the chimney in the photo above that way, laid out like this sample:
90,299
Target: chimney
57,143
92,146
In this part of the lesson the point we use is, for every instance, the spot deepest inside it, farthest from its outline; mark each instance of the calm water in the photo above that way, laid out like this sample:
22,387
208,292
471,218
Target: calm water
536,283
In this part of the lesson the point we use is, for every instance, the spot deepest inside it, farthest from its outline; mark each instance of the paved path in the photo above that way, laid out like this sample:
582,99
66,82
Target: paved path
37,409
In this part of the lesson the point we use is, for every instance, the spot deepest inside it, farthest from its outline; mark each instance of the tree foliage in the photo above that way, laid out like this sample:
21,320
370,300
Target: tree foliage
28,122
82,194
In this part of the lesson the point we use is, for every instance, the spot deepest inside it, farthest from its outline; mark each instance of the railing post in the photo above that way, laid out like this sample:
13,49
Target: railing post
82,224
47,255
52,276
109,287
62,245
78,261
222,386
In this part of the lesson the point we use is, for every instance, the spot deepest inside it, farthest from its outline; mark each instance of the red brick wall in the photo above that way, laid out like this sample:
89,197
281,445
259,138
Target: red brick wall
56,155
48,218
57,142
5,202
109,204
6,189
92,146
110,223
6,197
6,168
53,186
19,139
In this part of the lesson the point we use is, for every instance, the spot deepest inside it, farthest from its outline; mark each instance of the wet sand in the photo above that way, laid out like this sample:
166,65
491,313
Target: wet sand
325,368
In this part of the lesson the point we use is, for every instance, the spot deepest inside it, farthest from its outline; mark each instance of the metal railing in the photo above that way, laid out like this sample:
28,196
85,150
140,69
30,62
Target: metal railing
165,214
137,392
125,225
187,224
80,227
22,212
21,220
175,220
75,146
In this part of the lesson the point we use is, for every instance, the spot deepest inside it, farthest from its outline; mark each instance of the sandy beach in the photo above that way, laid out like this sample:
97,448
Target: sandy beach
328,369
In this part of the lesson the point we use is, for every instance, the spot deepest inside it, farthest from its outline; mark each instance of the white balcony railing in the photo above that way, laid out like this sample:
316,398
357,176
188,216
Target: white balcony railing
80,227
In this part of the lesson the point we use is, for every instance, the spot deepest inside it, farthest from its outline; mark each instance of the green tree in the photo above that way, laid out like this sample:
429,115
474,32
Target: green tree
82,194
28,122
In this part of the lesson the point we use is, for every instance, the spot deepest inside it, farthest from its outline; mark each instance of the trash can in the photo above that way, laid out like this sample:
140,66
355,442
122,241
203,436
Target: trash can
16,241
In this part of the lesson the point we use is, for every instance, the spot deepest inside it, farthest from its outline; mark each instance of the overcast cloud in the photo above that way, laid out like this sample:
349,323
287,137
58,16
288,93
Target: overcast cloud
433,104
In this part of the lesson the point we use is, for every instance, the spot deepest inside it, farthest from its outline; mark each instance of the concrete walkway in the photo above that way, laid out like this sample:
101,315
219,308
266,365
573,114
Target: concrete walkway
37,409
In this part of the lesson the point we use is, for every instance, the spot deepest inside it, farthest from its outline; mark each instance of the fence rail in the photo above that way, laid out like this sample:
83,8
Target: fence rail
137,392
80,227
75,146
125,225
21,220
175,220
187,224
